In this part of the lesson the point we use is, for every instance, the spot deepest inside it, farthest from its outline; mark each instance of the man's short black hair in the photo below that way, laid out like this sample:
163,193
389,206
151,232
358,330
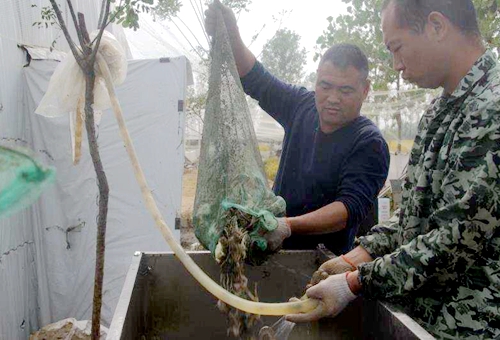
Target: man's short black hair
413,14
346,55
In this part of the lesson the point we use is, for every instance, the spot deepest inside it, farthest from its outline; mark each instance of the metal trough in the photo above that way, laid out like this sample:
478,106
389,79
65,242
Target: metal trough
160,300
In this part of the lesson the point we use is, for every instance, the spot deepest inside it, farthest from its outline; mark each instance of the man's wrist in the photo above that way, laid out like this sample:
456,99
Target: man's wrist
353,282
358,255
349,262
289,225
291,221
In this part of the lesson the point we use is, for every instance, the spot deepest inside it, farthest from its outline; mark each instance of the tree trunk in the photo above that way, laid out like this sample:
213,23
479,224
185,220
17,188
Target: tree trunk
102,184
102,181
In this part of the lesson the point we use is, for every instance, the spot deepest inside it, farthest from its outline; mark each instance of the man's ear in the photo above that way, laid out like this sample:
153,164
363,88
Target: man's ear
438,26
366,90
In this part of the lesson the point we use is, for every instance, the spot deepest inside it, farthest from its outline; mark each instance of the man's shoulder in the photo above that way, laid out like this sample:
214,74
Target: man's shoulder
308,96
487,90
367,137
365,128
306,106
485,99
481,110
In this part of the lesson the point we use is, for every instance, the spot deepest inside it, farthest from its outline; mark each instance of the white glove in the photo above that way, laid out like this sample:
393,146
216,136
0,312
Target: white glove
333,294
227,15
276,237
334,266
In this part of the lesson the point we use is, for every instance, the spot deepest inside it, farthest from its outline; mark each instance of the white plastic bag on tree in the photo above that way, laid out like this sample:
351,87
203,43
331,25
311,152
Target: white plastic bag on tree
66,91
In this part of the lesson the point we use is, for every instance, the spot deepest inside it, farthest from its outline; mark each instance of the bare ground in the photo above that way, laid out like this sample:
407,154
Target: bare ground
188,239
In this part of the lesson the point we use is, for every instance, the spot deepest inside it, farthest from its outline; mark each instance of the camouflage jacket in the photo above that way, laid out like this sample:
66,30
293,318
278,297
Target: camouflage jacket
441,258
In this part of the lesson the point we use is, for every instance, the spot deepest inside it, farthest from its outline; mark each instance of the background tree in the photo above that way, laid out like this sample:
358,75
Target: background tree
309,81
489,21
283,56
361,25
237,6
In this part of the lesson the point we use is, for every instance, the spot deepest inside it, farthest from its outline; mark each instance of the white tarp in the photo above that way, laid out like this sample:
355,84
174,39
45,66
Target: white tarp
151,99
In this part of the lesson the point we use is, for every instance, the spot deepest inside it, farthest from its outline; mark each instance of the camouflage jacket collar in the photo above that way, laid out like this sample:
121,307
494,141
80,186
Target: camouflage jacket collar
480,68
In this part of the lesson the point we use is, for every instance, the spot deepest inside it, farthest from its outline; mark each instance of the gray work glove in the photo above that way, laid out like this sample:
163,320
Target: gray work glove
337,265
227,15
276,237
333,294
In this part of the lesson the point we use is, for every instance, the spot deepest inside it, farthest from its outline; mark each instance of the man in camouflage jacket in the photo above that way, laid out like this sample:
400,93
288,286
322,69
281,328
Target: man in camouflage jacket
441,257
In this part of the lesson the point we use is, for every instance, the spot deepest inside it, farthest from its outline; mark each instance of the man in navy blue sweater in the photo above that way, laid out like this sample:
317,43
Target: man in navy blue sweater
334,161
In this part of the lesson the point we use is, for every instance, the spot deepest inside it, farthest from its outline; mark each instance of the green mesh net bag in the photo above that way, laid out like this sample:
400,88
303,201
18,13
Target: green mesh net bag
22,179
234,206
232,188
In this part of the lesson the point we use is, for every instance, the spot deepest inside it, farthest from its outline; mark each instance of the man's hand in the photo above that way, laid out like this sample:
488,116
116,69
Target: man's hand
211,18
244,58
334,266
276,237
333,294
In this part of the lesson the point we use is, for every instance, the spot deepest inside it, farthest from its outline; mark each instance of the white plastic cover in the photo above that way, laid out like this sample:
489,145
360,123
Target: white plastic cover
67,85
66,92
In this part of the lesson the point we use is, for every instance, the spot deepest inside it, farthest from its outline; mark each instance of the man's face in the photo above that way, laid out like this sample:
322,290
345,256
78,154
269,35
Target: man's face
339,95
416,55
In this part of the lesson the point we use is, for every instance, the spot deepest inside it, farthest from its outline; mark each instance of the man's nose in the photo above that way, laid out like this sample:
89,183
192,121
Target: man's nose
333,97
397,64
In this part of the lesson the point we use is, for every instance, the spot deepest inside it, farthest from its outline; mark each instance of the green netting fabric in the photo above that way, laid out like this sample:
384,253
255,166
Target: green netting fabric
22,179
231,178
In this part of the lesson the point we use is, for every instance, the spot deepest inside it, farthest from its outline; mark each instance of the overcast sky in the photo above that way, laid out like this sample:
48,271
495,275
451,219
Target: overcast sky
306,18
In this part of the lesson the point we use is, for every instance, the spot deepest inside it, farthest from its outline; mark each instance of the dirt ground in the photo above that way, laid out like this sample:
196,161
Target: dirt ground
188,240
189,179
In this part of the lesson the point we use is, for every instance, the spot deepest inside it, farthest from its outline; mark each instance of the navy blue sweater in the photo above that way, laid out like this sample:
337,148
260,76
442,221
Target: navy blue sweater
349,165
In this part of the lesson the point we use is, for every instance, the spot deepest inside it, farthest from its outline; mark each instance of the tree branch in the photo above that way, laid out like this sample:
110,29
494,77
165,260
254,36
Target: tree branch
85,35
79,59
200,21
192,33
279,28
101,21
189,42
256,35
106,24
75,21
101,31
